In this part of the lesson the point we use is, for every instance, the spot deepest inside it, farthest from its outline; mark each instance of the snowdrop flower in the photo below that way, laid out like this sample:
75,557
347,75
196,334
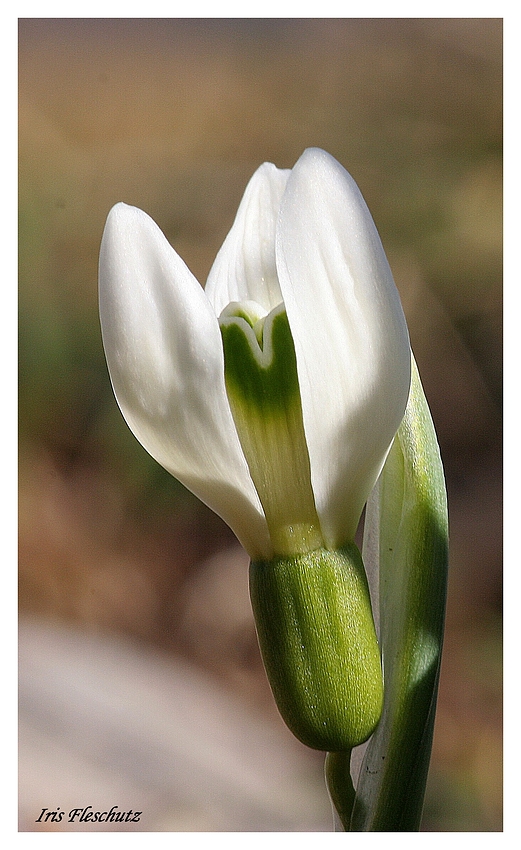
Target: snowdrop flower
274,393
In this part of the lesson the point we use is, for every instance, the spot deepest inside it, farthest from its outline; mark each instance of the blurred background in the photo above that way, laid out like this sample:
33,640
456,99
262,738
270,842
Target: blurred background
141,681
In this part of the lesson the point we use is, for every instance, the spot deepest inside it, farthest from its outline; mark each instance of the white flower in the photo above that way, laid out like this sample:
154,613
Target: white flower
304,245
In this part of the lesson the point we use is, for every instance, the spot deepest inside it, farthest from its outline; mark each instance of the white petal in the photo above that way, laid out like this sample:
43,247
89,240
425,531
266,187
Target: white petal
350,335
164,351
244,268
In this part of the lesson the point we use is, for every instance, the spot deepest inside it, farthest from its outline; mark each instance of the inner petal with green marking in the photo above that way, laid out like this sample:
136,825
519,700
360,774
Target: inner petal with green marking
263,391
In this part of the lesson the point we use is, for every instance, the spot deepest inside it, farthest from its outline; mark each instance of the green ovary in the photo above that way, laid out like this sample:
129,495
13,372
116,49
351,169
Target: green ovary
318,642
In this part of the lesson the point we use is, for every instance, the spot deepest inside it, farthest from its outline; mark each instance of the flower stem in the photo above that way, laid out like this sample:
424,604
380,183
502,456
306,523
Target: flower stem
340,785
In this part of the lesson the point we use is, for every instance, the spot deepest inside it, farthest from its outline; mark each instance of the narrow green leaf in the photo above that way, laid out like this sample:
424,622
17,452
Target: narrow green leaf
407,516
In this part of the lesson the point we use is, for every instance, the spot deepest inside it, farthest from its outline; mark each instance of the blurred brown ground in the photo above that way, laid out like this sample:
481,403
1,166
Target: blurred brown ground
174,116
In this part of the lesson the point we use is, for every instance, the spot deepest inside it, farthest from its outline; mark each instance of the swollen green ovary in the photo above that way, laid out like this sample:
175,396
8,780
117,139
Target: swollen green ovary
319,646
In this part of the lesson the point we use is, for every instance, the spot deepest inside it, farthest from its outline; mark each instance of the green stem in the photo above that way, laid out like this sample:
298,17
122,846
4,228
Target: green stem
340,785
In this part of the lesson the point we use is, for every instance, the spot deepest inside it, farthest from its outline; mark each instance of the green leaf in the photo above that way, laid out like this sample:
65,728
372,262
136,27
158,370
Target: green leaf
407,520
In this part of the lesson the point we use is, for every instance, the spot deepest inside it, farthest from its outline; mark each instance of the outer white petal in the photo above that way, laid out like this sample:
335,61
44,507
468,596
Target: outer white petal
244,269
350,335
164,352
